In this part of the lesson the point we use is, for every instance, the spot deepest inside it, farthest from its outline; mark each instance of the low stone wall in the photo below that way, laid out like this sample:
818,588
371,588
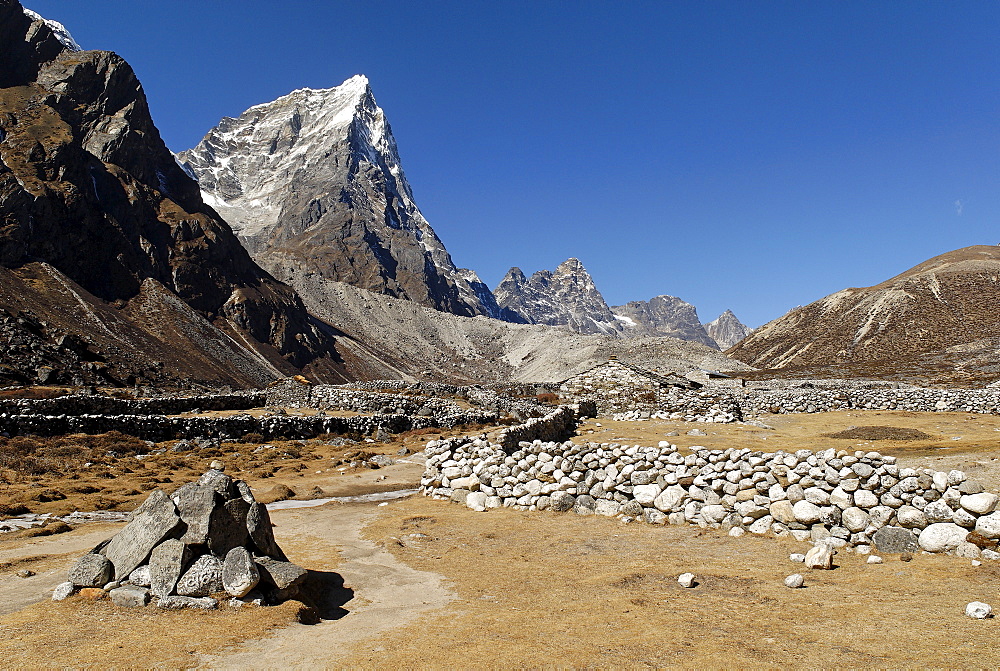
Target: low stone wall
842,498
160,427
983,401
107,405
560,424
715,405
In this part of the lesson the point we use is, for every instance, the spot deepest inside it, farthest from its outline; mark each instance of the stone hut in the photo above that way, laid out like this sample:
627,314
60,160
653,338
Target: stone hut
291,392
616,386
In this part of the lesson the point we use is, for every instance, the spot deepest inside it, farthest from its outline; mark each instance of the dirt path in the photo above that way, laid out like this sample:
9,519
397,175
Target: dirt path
50,557
383,592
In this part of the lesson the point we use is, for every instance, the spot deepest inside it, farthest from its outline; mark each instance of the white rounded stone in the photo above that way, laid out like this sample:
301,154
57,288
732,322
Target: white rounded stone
980,504
942,537
794,581
979,610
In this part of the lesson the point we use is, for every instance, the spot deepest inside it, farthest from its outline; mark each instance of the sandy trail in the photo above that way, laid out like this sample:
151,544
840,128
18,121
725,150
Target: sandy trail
50,557
383,592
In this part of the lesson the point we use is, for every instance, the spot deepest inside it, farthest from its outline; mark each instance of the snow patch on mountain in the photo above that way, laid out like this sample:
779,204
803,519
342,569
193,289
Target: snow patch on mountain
312,182
58,29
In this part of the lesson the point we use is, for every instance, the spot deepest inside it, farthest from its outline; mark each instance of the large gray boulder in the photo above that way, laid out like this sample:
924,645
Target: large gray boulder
893,540
203,578
562,501
239,572
91,570
166,565
261,532
195,505
281,574
227,527
130,547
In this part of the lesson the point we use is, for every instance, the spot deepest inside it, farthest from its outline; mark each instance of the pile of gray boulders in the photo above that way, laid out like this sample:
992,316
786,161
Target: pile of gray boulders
185,550
837,498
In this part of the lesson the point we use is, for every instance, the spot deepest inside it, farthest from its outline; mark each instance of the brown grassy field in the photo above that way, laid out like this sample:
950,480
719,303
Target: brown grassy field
433,584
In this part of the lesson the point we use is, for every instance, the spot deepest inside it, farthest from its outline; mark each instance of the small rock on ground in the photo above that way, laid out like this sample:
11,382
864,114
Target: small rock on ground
979,610
794,581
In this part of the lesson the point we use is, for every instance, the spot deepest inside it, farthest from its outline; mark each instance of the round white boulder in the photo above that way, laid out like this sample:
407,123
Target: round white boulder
980,504
806,512
794,581
942,537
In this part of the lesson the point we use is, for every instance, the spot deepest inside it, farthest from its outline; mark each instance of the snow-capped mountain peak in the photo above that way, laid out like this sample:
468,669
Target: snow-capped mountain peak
312,182
58,29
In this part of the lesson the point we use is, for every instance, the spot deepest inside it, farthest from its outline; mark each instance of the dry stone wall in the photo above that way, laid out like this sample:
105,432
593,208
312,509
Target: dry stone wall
615,388
107,405
560,424
273,427
845,499
714,405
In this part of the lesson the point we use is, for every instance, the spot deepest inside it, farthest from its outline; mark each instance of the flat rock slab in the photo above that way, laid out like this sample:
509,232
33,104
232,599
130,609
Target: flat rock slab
131,546
227,527
91,570
262,533
180,602
281,574
195,505
129,596
166,565
894,540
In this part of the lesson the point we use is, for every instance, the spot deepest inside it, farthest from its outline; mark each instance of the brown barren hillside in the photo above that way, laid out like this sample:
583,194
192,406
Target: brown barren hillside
942,312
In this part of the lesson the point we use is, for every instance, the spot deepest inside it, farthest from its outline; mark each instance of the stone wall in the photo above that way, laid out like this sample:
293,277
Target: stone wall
160,427
842,498
560,424
107,405
716,405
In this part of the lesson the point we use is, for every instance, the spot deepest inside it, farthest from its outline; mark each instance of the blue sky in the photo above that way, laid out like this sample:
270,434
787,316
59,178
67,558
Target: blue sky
744,155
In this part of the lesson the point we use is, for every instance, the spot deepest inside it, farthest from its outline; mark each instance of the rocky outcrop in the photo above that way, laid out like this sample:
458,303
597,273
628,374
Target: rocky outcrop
726,330
566,297
96,217
938,314
210,537
313,185
663,316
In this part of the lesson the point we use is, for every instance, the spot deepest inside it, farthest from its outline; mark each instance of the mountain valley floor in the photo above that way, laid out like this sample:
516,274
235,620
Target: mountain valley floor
421,582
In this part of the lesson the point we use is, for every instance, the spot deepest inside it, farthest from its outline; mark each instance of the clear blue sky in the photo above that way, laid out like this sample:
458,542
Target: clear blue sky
744,155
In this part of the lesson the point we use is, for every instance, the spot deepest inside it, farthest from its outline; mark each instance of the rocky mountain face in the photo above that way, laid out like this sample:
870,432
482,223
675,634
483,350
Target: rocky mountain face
726,330
937,320
664,316
312,183
106,245
385,337
566,297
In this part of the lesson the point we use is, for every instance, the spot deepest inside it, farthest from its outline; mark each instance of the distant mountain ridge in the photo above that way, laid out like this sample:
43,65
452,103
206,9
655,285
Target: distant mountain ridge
664,316
727,330
565,297
312,183
934,311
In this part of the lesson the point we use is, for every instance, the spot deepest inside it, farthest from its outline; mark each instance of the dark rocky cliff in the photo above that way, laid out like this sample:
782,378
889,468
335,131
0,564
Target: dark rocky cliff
89,191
